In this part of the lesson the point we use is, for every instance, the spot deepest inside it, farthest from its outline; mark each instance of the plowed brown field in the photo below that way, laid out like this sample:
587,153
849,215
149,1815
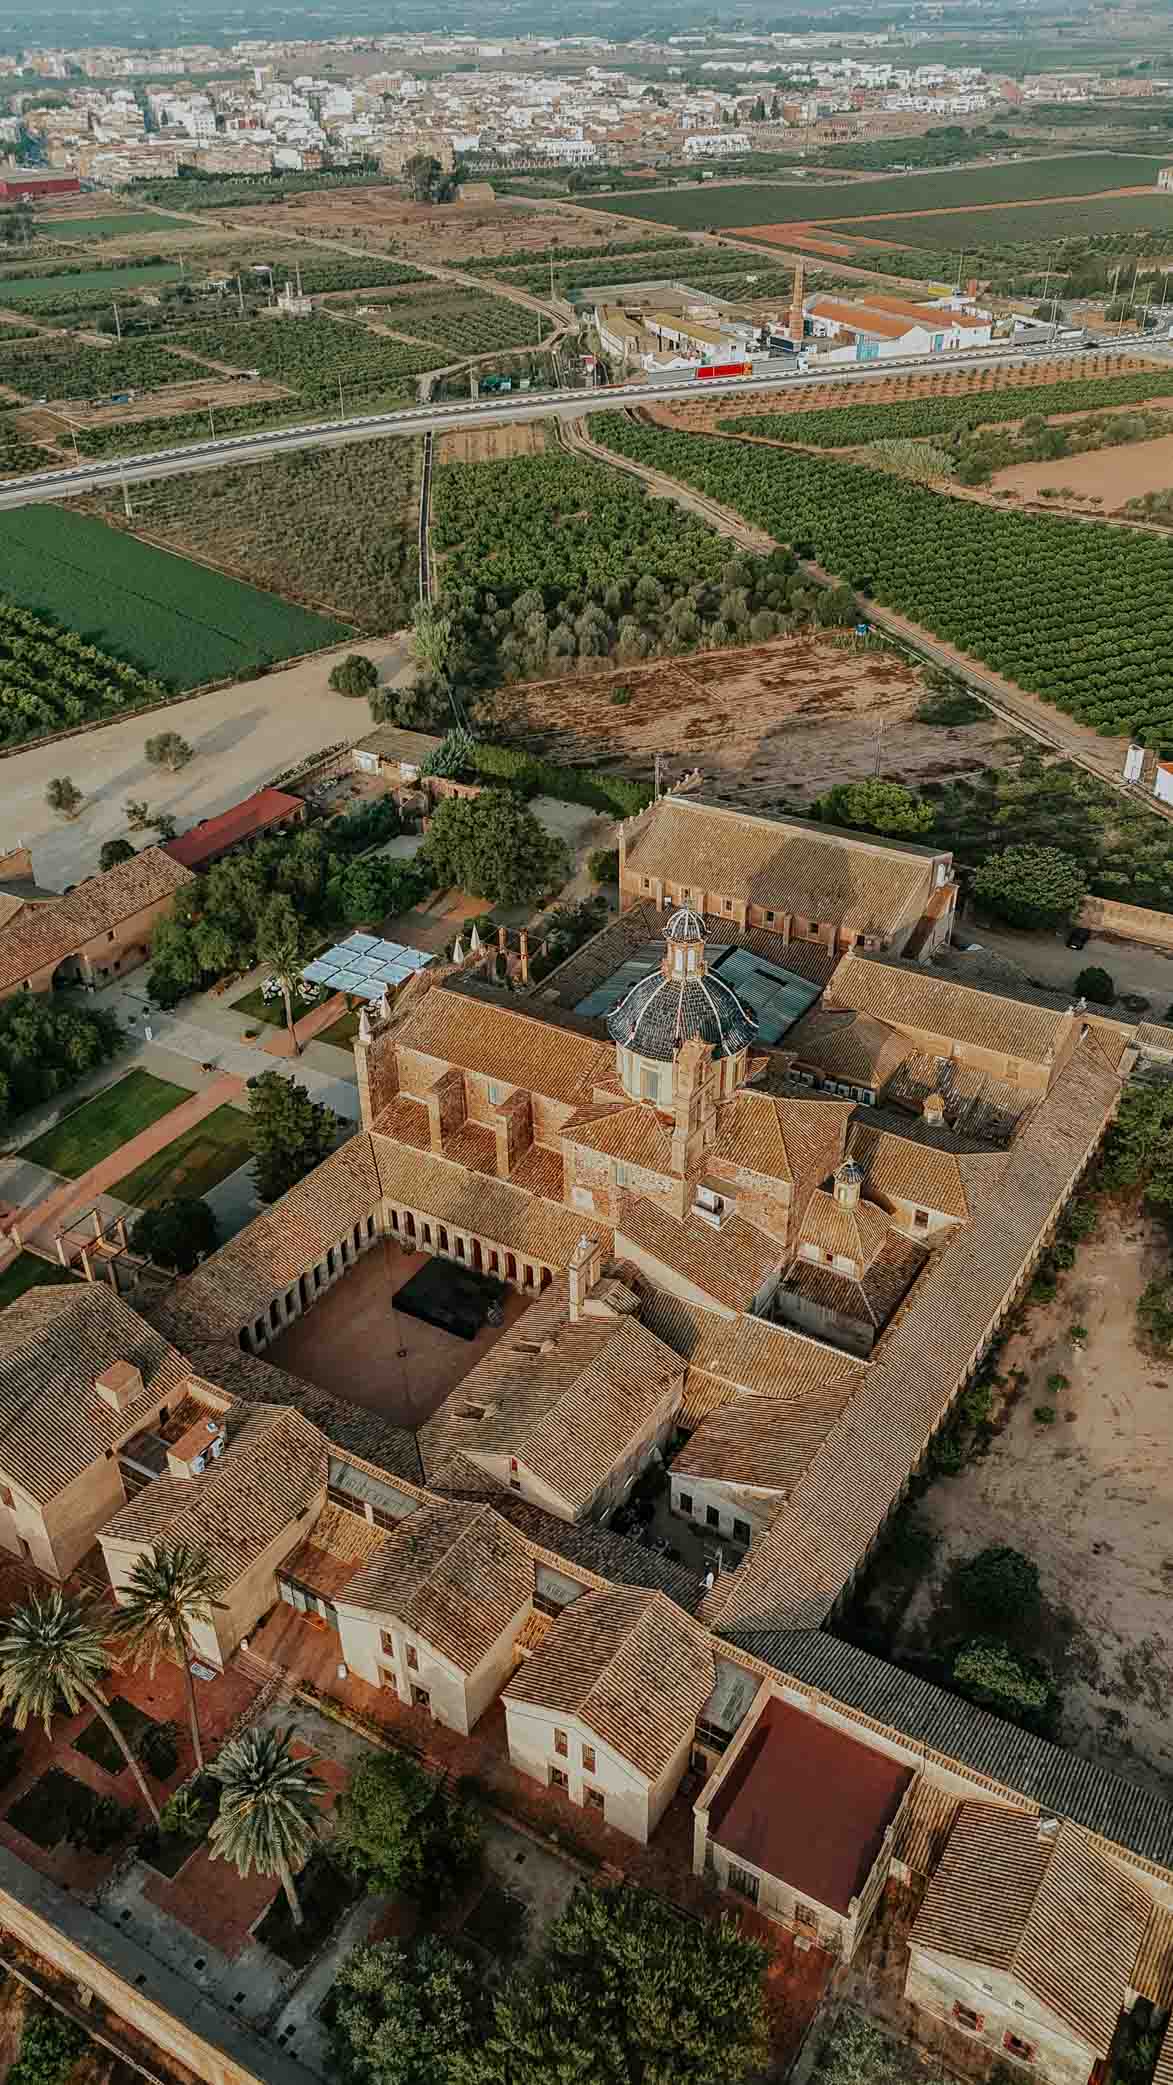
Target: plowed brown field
492,444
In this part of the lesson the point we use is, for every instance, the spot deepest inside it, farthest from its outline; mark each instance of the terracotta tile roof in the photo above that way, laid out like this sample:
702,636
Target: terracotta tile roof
631,1667
807,870
585,1545
914,1168
273,1471
539,1232
874,1296
793,1576
730,1265
747,1353
1152,1973
504,1043
631,1131
758,1444
1048,1910
1151,1035
236,1284
855,1234
808,1804
244,821
565,1398
908,996
847,1046
925,1824
1163,2070
539,1172
43,934
782,1138
860,318
392,742
53,1343
455,1574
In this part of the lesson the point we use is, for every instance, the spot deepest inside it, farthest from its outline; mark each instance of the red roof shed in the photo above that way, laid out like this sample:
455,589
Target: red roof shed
245,821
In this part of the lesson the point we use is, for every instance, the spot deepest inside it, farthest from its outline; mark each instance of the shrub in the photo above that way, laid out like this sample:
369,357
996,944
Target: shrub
989,1673
112,852
493,847
187,1814
158,1748
354,675
1155,1315
603,865
167,749
98,1824
49,2047
1045,1414
1031,886
63,796
402,1831
1095,984
997,1585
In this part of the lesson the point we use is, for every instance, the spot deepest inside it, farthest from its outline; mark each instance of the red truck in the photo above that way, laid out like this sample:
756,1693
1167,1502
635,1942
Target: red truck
715,369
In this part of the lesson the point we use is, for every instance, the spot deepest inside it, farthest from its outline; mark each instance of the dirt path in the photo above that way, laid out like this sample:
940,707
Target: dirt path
1088,1496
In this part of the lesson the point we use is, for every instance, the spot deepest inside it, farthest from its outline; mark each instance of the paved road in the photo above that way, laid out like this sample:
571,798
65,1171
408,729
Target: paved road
243,735
417,419
1048,961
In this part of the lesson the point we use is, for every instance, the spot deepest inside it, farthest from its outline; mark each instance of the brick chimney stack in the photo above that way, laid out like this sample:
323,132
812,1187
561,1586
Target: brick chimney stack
797,299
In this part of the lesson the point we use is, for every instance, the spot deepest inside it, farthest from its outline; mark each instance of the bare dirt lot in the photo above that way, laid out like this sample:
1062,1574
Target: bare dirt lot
492,444
448,233
1110,475
772,726
1089,1497
893,390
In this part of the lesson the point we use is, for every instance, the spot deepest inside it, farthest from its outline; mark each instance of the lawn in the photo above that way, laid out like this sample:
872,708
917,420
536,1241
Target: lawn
255,1007
173,619
28,1272
30,290
195,1162
102,1124
342,1031
770,202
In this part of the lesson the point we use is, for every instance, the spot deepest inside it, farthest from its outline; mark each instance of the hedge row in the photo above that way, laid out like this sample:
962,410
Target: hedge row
573,785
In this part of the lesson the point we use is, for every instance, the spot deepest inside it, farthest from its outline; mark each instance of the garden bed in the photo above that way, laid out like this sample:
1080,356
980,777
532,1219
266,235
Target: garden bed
46,1810
97,1743
326,1893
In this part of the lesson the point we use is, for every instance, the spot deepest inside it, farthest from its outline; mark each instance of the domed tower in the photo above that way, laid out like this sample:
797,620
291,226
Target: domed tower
681,1002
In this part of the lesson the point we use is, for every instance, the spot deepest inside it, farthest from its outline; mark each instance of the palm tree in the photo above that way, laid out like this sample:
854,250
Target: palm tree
268,1808
279,948
170,1591
52,1651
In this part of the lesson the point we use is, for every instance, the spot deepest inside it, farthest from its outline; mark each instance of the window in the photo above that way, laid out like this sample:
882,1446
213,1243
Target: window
964,2016
594,1798
544,1604
645,883
770,918
649,1082
497,1092
1015,2046
920,1218
588,1759
728,904
413,1658
387,1642
420,1698
561,1744
806,1917
742,1531
559,1779
110,935
686,1502
712,1517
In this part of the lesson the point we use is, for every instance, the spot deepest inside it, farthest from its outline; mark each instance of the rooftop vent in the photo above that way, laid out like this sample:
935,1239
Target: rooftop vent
119,1385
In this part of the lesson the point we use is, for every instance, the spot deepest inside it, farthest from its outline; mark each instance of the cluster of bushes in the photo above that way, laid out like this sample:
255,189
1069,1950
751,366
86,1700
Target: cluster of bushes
45,1048
464,758
221,921
493,847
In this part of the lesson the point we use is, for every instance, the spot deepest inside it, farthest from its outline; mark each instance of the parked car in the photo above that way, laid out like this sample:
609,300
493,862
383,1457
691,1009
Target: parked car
1079,937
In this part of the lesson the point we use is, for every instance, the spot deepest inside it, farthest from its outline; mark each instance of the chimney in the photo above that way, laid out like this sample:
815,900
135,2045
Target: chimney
119,1385
933,1110
848,1181
796,303
586,1265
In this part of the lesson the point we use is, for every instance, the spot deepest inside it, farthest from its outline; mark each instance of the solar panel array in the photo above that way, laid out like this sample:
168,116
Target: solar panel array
364,966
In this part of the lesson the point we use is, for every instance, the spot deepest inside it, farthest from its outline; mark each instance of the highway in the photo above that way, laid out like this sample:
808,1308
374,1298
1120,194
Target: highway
530,405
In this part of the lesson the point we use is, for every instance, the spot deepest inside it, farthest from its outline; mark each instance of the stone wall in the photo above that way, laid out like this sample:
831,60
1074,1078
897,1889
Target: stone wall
1131,922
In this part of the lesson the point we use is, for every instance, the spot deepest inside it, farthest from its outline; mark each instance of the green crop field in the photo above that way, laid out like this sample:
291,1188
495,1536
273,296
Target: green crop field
83,229
461,322
841,427
969,228
170,619
776,202
311,355
1081,617
67,369
81,288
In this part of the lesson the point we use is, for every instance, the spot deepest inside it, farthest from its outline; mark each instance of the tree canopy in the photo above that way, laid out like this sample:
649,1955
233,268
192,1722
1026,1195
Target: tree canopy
405,1833
876,807
405,2016
290,1133
1031,886
1138,1150
492,847
354,675
45,1047
998,1585
176,1233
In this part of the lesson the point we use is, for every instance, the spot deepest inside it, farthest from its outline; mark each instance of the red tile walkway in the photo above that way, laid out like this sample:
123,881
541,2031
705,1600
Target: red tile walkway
277,1043
40,1225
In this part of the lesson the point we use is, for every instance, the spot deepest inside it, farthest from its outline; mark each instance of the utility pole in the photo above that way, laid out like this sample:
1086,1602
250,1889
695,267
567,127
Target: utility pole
212,422
341,407
126,506
240,294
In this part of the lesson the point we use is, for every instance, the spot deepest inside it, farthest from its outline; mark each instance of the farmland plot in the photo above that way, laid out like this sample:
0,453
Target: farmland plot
311,355
1085,623
173,620
461,322
841,427
68,369
1019,222
51,678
